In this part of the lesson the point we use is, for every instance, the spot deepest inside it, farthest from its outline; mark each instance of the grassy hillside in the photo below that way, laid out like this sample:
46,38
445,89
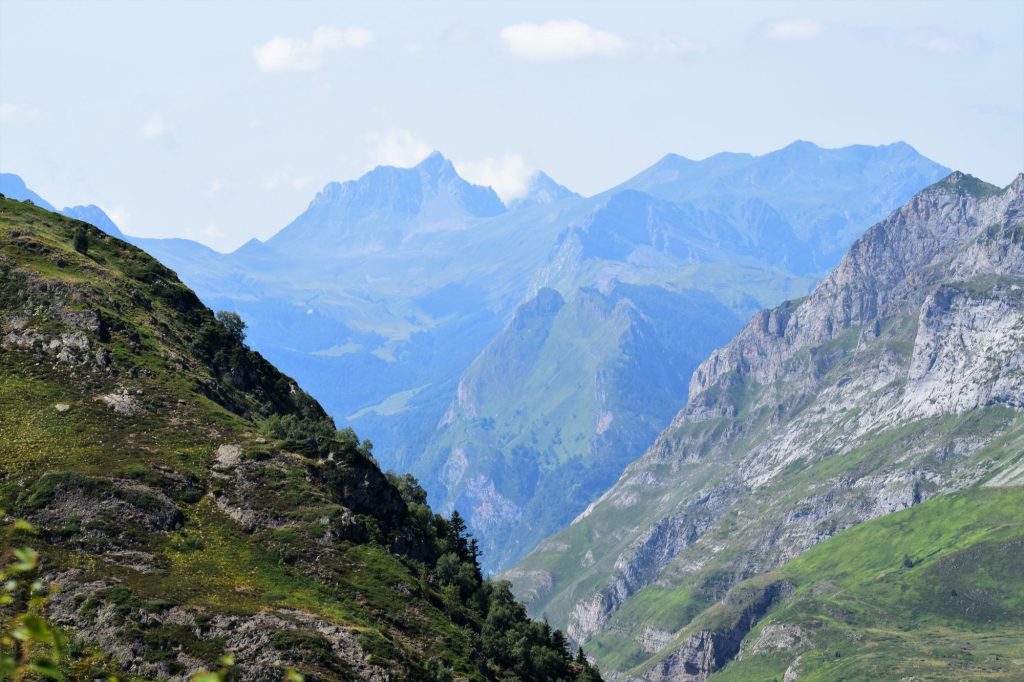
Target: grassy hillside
932,592
192,501
604,372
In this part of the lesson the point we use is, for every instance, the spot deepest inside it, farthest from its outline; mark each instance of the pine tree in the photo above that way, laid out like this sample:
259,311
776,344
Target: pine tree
81,240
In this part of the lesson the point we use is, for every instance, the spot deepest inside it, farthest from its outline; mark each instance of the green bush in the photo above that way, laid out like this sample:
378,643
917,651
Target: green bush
81,240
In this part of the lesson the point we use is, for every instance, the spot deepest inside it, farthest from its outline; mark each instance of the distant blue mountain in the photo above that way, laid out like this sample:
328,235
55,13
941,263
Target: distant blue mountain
175,253
826,195
13,187
542,190
387,294
93,215
387,205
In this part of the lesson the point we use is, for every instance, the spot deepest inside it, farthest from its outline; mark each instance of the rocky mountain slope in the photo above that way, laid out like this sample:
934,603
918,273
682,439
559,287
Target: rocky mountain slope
191,501
395,300
652,282
560,402
900,378
931,592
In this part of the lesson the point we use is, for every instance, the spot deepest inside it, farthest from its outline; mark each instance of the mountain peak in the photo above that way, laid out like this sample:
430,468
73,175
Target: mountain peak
673,160
436,165
95,216
434,157
387,205
963,182
542,189
799,150
253,247
800,145
13,187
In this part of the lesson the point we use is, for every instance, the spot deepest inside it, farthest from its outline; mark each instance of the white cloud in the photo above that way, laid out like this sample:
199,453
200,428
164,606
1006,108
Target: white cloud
509,176
294,54
674,46
559,40
11,113
154,127
213,230
938,44
396,148
794,29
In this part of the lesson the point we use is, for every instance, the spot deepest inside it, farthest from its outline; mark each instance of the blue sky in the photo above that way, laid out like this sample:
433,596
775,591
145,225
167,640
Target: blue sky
220,121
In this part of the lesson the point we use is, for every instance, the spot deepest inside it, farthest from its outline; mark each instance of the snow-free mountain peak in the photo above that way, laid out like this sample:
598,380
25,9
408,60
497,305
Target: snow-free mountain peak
387,205
13,187
94,215
542,189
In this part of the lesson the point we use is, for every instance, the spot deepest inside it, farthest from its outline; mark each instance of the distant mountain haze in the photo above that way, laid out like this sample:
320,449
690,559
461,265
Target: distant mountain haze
13,187
517,357
93,215
387,206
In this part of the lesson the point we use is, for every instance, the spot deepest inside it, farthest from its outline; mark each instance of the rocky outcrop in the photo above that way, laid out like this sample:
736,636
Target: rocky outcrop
969,350
888,267
264,644
639,565
707,650
100,513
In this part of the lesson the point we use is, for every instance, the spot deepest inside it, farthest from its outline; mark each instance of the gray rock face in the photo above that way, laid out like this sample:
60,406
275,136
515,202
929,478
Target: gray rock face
887,385
891,266
695,661
264,644
639,564
705,651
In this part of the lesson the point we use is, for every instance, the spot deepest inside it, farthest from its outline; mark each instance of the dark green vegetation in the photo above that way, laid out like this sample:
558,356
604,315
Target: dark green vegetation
192,501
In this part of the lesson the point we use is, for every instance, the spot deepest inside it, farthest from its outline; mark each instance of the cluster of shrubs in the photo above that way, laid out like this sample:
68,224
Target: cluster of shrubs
439,549
503,632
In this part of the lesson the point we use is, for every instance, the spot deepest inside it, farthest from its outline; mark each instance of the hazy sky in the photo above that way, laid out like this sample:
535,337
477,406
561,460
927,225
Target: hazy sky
220,121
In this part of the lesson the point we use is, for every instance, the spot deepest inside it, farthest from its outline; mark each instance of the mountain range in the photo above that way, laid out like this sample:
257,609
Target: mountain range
899,379
839,497
497,351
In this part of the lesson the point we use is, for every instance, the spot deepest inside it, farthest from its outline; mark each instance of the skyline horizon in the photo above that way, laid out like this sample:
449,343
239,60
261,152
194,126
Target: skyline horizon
241,114
247,239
